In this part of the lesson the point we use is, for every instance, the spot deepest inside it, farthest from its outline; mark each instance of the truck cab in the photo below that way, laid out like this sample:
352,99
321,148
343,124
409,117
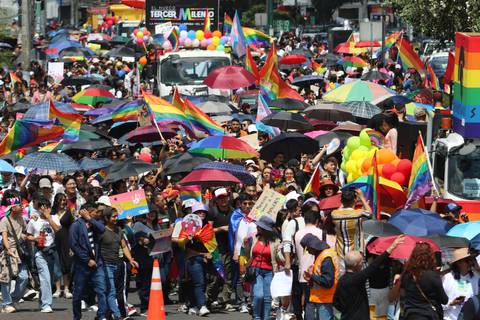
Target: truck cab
456,171
187,69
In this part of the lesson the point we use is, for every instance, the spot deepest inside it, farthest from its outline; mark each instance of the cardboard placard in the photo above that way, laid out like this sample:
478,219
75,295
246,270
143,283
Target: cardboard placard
163,241
55,70
269,203
130,204
163,28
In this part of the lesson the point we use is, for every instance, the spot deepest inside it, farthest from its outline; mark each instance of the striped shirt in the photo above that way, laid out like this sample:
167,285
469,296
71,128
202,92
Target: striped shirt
349,230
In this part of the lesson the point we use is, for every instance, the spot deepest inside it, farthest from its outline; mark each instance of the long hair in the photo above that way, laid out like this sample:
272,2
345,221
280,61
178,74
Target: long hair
56,202
422,259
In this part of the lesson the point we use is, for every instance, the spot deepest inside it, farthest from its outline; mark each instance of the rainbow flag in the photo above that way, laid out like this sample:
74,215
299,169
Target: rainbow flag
392,39
272,86
420,179
70,121
207,22
100,175
408,56
25,133
237,38
256,37
162,110
317,67
315,181
200,120
191,192
177,100
127,111
14,78
250,64
227,24
174,39
434,82
50,147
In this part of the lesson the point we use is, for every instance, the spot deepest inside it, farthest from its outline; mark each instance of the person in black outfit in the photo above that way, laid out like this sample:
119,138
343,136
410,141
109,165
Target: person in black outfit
471,309
351,297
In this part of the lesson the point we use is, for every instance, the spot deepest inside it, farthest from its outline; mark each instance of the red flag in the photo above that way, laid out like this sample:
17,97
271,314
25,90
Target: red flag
250,64
449,71
314,183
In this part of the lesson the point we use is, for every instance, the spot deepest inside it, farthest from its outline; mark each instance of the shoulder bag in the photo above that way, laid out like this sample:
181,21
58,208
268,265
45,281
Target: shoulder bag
435,314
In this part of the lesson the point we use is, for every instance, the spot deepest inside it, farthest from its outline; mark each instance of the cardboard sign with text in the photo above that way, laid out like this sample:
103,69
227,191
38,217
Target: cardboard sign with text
269,203
130,204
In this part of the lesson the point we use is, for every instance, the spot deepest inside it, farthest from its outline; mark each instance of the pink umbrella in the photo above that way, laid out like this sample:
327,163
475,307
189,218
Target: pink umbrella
209,178
316,133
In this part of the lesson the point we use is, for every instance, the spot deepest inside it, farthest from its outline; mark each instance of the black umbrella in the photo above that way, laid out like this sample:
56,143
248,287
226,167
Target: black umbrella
307,53
184,162
444,241
287,120
121,52
94,164
375,75
128,168
88,145
75,51
120,128
331,59
103,43
288,104
380,229
49,161
77,81
291,144
326,138
329,112
306,81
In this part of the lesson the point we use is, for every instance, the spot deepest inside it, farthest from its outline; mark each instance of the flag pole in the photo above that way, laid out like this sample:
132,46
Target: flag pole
430,171
154,120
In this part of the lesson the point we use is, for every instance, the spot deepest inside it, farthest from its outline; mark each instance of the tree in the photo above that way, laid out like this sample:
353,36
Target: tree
325,8
440,19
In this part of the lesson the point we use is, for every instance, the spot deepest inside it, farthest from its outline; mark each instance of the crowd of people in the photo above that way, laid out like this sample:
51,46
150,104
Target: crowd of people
61,236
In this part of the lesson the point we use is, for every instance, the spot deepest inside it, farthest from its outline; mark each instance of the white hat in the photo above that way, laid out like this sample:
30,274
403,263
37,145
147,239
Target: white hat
293,195
44,183
220,192
188,203
95,183
104,200
21,170
252,128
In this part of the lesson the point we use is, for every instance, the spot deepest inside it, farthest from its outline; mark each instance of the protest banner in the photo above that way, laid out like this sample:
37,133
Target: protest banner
269,203
130,204
163,28
55,70
163,241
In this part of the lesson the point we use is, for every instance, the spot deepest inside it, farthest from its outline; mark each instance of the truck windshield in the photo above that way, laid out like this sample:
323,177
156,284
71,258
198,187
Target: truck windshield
464,175
189,71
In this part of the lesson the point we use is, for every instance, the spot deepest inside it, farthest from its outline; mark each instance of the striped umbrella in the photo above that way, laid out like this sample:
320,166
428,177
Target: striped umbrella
358,90
92,96
224,147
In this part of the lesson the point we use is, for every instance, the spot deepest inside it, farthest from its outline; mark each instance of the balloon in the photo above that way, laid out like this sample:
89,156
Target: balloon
183,34
181,41
350,166
196,43
404,166
203,43
199,35
167,45
216,41
139,34
110,23
143,60
146,32
365,138
104,25
350,177
399,178
353,143
363,148
191,34
223,40
366,164
384,155
182,27
220,48
208,34
187,43
146,38
342,166
116,19
395,162
357,154
139,41
388,170
346,153
211,47
209,40
135,31
217,34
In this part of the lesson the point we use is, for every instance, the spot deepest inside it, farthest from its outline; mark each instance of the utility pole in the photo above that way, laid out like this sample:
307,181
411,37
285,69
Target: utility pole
270,17
74,12
26,32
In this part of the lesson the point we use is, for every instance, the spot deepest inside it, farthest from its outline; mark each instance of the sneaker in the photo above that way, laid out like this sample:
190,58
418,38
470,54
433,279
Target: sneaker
193,311
67,294
9,309
30,294
288,316
84,306
280,314
47,309
93,308
243,308
215,304
131,311
183,308
230,308
21,301
203,311
36,296
144,314
57,294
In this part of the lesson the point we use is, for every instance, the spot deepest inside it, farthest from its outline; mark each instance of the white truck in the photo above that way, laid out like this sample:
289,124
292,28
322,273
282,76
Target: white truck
186,69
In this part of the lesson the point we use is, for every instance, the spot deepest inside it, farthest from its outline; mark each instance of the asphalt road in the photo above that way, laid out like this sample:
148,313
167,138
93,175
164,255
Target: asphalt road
29,310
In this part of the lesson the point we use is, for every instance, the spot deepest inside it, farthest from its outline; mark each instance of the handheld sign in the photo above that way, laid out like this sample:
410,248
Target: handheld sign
269,203
130,204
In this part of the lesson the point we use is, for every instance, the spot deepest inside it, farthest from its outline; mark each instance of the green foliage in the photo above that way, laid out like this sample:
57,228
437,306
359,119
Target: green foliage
248,17
440,19
325,8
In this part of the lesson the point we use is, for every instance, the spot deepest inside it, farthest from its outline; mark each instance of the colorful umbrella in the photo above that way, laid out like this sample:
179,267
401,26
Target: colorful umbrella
92,96
466,230
419,222
331,203
137,4
352,62
293,59
209,178
224,147
229,77
358,90
403,250
410,107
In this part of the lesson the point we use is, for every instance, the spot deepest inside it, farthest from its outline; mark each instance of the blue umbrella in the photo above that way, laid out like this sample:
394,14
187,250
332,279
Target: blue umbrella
237,171
49,161
419,222
94,164
466,230
6,167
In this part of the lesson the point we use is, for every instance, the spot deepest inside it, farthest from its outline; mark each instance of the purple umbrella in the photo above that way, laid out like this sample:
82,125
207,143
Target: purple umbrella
98,112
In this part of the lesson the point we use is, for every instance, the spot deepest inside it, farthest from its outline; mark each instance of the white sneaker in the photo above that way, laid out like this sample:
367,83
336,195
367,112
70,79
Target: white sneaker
57,294
9,309
203,311
84,306
183,308
280,314
193,311
131,311
30,294
47,309
243,308
67,294
93,308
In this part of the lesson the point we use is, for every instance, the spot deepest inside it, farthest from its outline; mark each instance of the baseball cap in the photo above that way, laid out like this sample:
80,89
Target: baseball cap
105,200
199,207
452,207
252,128
188,203
220,192
44,183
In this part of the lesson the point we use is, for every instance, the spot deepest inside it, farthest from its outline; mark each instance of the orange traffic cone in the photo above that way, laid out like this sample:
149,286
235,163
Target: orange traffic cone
156,307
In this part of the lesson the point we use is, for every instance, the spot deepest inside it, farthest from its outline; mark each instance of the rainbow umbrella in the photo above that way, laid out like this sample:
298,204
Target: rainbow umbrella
223,147
358,90
92,96
352,62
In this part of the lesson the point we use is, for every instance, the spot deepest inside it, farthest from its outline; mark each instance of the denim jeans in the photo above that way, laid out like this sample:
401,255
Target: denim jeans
318,311
196,269
262,297
110,271
42,262
82,276
20,286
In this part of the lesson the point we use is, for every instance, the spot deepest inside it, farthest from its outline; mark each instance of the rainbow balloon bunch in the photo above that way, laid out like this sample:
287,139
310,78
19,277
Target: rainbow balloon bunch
141,36
202,39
